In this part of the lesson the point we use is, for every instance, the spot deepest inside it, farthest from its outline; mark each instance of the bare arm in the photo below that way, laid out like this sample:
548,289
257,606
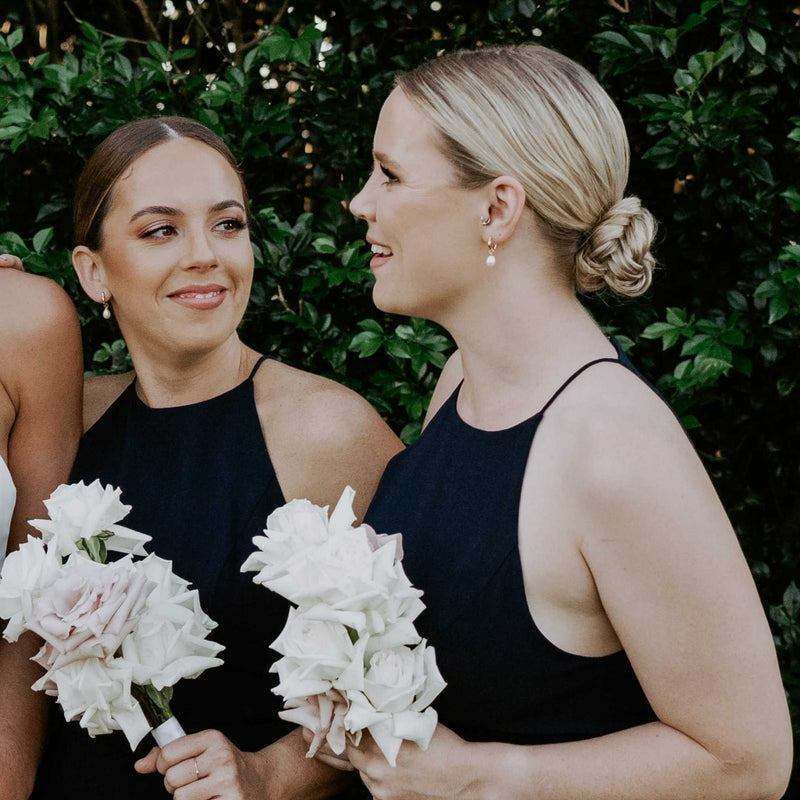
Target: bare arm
41,357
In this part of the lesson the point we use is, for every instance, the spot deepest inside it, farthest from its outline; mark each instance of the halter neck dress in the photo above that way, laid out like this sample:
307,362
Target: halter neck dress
8,497
455,496
201,483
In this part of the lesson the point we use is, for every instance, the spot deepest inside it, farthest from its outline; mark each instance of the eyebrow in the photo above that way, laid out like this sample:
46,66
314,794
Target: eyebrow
174,212
385,160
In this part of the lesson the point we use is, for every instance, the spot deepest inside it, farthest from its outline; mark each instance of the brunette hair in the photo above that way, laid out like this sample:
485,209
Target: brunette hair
535,114
116,153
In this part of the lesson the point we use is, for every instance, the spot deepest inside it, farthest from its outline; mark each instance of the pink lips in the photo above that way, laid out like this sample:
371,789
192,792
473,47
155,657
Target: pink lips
200,298
378,259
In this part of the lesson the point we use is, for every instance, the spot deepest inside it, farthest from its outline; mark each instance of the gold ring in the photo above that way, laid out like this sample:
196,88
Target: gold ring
196,770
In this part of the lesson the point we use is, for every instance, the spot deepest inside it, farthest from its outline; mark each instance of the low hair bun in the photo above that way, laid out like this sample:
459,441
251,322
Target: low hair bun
616,252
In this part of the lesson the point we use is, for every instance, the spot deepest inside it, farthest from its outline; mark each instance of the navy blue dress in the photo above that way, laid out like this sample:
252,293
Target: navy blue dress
455,497
201,483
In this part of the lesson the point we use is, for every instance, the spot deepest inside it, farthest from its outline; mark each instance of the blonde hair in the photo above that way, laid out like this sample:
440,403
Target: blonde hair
529,112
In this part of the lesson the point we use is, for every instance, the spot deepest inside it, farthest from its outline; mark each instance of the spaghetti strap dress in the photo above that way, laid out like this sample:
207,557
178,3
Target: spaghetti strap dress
455,496
201,483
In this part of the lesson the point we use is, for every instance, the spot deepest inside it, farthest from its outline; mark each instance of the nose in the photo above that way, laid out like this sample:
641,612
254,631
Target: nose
363,204
200,253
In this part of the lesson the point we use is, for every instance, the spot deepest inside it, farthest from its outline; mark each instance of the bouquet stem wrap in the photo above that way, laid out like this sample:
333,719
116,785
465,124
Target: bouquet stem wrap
168,731
159,716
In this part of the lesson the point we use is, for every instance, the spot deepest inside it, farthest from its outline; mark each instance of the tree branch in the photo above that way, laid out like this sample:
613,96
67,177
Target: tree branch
105,33
140,4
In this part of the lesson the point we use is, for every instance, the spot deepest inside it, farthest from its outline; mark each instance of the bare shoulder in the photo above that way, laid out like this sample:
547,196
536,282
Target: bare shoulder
617,437
34,310
452,374
99,392
321,435
318,409
40,344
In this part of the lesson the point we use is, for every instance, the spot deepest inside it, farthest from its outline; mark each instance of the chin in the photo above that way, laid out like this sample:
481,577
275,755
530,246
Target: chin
389,302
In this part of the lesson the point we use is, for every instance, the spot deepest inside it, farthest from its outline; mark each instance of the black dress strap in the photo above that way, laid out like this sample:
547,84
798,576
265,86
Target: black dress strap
574,375
256,366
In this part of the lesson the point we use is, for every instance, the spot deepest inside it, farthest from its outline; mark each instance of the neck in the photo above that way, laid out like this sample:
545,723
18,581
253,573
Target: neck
520,335
165,379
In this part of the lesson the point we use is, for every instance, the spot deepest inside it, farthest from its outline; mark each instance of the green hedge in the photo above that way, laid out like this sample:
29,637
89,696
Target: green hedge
709,94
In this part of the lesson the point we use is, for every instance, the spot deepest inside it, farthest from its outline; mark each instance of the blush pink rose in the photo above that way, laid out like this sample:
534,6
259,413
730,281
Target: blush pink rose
88,611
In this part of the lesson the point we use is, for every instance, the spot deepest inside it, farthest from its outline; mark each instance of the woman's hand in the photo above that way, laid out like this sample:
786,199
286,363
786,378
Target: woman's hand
447,769
207,765
10,261
326,756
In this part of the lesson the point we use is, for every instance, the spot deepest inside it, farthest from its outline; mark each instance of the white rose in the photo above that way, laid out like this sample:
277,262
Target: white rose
402,601
342,572
403,679
290,529
343,517
391,682
78,512
314,653
295,529
25,572
169,642
99,694
392,704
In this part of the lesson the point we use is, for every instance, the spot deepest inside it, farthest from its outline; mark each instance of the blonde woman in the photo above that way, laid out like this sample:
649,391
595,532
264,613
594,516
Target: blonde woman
40,396
589,603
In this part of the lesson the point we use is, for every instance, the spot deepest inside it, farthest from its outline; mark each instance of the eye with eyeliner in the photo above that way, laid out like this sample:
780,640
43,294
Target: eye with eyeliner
388,174
232,225
229,226
158,232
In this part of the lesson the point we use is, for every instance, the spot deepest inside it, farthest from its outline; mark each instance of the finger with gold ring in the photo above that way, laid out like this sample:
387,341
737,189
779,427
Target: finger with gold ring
196,770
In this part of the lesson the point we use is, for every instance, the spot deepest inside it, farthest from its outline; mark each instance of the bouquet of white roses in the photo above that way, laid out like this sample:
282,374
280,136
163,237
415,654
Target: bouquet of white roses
117,636
351,656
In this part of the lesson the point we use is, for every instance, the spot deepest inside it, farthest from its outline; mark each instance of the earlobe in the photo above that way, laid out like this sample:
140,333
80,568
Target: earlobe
90,272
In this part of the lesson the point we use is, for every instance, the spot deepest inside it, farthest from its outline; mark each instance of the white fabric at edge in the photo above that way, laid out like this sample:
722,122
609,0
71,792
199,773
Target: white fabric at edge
8,496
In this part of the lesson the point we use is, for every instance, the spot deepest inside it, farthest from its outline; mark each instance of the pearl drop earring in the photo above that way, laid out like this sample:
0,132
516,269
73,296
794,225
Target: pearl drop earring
106,309
490,259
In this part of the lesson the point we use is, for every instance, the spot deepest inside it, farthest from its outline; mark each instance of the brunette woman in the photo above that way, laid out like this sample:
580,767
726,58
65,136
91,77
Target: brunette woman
206,437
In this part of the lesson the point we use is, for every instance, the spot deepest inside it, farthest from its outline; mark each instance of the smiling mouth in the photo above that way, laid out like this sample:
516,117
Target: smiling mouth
381,250
199,295
195,298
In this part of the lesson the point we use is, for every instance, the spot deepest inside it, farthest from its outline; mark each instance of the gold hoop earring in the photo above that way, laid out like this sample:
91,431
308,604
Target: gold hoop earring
106,309
490,259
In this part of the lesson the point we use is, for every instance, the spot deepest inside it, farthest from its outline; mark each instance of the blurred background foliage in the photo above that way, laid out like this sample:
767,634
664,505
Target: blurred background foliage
709,92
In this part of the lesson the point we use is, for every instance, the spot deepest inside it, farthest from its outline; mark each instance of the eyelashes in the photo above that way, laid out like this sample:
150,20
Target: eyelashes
234,223
388,174
231,225
159,232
